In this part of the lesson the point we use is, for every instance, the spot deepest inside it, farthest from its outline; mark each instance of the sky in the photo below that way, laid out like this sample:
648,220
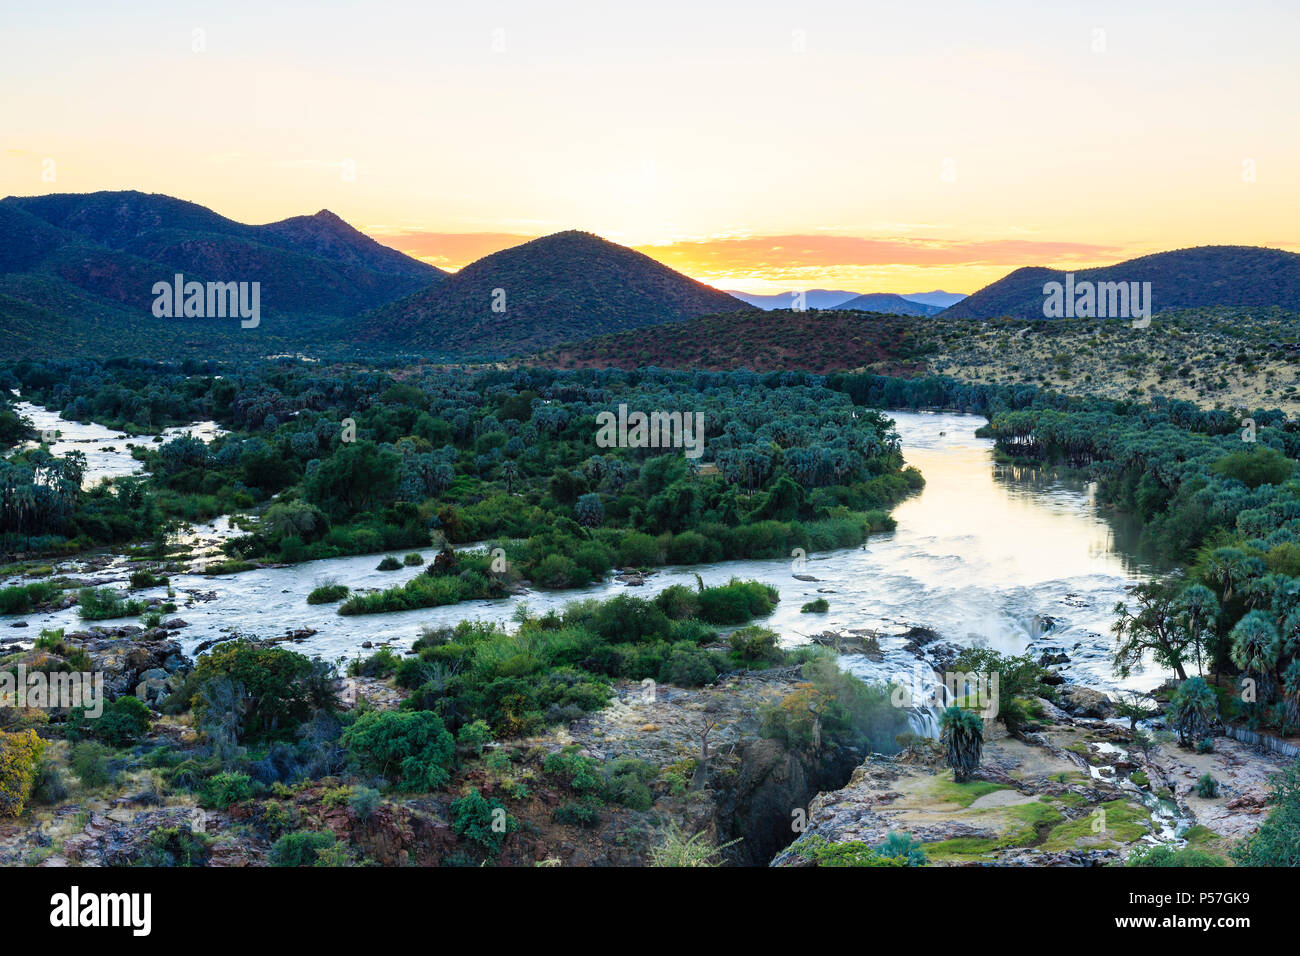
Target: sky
759,146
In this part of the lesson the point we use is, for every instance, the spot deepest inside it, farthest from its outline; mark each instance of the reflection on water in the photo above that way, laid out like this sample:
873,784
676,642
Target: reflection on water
108,453
986,553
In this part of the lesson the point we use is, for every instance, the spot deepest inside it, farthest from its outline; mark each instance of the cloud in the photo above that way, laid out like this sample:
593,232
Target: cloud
821,251
776,254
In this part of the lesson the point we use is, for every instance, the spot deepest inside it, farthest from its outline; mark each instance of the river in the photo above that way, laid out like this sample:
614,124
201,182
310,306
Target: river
985,553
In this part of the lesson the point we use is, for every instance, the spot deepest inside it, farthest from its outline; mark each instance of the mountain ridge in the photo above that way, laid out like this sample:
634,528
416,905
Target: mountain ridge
1194,277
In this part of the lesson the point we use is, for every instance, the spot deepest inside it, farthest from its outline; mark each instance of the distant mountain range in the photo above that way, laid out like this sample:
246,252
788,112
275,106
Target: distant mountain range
1235,276
77,273
101,253
560,288
920,303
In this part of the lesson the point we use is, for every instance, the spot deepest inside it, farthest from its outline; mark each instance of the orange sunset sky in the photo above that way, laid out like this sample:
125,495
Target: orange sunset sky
760,146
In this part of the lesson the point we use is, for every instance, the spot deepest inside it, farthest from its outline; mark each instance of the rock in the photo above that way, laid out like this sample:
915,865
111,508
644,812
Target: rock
803,577
175,624
1085,702
851,642
18,624
1052,679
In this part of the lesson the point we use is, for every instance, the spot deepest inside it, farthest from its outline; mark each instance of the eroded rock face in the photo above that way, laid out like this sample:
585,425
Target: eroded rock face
1085,702
762,803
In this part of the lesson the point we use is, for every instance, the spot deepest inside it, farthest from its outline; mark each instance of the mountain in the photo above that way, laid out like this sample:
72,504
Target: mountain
929,302
761,340
937,297
96,256
559,288
813,299
888,303
1204,276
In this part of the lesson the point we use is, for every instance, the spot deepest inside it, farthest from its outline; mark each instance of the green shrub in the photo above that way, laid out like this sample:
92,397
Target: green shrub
578,813
225,788
413,560
819,606
1277,841
172,846
482,820
389,563
300,849
364,801
1167,856
328,594
123,722
755,644
412,749
89,762
382,663
474,736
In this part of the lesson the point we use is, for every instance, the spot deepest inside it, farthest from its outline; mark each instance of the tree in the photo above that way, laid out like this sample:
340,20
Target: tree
1256,647
1196,613
1193,710
589,510
355,478
963,739
1153,629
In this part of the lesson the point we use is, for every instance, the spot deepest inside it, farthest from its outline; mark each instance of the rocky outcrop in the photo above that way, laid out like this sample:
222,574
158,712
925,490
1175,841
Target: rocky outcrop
1085,702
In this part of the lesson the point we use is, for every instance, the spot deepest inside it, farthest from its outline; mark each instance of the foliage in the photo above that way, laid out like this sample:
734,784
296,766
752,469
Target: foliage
963,741
20,761
412,749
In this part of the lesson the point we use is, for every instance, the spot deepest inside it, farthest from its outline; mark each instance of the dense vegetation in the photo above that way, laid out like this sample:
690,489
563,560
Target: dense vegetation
358,461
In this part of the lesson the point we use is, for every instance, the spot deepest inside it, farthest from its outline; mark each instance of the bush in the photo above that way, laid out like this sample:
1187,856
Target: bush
89,762
364,801
382,663
99,604
412,749
755,644
389,563
300,849
172,846
327,594
1277,842
578,813
1167,856
737,602
20,761
281,687
819,606
482,820
123,722
226,788
413,560
146,579
474,736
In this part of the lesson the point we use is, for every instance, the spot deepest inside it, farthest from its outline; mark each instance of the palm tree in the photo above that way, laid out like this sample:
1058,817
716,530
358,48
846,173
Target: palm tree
1193,710
1291,687
1197,611
963,738
1256,646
